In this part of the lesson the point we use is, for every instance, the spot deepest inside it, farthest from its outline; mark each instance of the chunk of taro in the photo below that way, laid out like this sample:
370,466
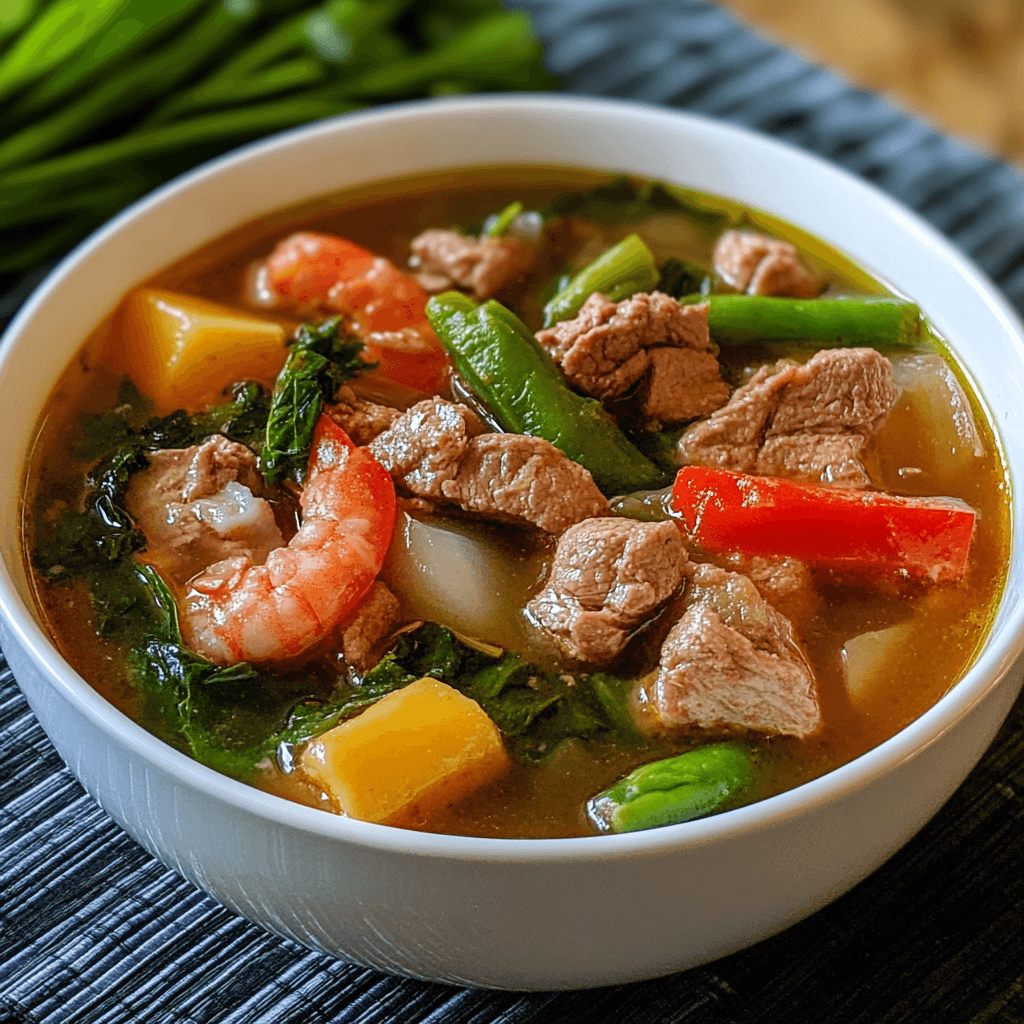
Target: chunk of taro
732,661
608,577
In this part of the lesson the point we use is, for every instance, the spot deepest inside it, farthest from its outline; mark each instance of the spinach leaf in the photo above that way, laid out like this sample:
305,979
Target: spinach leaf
679,278
535,710
319,361
622,201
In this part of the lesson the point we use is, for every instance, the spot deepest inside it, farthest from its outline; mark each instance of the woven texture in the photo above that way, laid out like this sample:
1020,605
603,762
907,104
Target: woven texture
93,929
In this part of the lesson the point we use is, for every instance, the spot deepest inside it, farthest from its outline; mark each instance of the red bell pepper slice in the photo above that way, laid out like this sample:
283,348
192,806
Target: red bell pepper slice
339,276
826,527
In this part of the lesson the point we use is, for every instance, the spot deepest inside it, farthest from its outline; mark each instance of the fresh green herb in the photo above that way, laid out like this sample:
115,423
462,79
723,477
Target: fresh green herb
674,789
505,366
320,360
619,272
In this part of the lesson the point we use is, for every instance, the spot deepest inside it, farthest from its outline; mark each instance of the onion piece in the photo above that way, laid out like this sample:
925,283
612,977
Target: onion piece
460,575
865,659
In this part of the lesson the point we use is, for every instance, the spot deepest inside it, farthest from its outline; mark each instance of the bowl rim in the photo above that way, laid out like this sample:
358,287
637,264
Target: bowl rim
985,673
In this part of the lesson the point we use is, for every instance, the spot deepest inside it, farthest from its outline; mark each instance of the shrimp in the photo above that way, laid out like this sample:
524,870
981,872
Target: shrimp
387,309
238,611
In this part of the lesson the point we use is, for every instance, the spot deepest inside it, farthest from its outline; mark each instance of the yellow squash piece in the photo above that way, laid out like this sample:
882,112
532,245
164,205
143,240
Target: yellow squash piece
183,351
418,747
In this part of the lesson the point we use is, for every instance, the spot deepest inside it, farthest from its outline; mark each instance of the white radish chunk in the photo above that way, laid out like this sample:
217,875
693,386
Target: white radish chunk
868,660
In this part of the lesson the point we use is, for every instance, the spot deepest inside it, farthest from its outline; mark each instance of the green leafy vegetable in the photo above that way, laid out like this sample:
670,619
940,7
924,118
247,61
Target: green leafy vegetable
535,710
318,362
678,278
623,201
674,789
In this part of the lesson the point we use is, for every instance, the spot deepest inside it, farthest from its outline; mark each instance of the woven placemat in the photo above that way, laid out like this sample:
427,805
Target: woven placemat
93,929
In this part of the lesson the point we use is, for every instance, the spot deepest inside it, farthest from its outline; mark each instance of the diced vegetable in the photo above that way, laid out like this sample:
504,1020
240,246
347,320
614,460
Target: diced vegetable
865,658
386,306
416,747
181,350
673,790
930,439
621,271
870,323
510,372
454,572
827,527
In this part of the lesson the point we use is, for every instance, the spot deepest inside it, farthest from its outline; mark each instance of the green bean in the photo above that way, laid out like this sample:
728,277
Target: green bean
621,271
14,15
506,367
673,790
499,224
59,32
878,323
130,89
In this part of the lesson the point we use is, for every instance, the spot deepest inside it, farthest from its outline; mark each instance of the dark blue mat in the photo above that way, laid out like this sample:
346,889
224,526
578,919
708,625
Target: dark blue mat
92,929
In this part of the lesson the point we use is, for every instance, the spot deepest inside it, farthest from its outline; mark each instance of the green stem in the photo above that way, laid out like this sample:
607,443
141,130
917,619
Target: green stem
621,271
877,323
506,367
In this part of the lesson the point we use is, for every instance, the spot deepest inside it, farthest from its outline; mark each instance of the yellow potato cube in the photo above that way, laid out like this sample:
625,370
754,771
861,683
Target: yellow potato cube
416,748
183,351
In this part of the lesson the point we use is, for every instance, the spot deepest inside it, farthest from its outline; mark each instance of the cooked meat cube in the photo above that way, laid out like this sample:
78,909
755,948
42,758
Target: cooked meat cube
437,450
199,505
426,444
807,422
610,346
608,577
732,661
360,419
527,480
482,265
682,384
761,265
373,621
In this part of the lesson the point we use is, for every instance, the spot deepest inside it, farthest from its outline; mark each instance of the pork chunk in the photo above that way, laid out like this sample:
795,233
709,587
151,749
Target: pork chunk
437,450
373,621
607,347
482,265
425,445
608,577
199,505
761,265
360,419
807,422
732,661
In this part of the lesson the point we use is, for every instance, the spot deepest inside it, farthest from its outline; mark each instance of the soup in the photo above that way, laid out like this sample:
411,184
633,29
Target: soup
657,507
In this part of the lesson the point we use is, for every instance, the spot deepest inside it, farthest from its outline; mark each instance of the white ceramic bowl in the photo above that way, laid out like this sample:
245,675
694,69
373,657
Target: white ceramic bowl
516,914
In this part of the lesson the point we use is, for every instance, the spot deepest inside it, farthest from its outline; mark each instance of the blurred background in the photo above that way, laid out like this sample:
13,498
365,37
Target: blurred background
102,100
959,63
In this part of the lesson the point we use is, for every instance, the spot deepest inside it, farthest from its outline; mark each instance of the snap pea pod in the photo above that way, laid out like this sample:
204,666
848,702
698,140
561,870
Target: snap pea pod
621,271
673,790
876,323
505,365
